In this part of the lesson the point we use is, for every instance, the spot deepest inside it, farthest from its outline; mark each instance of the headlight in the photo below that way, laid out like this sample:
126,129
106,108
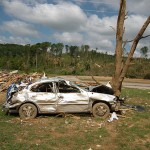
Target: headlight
124,98
115,99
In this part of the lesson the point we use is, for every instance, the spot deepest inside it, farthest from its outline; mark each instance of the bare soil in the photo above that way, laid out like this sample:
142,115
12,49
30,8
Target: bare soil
2,96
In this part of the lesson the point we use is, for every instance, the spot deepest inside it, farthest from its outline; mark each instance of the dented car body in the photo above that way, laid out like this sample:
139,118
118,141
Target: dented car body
56,95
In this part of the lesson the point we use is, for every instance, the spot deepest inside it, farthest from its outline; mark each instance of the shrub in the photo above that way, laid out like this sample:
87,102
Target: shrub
147,76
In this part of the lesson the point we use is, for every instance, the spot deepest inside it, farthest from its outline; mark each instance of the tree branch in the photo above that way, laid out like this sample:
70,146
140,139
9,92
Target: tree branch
113,28
95,80
133,47
145,36
142,37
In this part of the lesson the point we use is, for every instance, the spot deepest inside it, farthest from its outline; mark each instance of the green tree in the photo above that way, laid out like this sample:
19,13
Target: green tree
144,51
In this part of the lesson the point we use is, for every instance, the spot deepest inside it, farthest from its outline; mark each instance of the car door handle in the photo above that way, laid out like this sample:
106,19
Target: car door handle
60,96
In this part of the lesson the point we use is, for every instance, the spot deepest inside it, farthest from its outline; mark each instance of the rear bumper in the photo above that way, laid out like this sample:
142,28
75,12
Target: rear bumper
7,108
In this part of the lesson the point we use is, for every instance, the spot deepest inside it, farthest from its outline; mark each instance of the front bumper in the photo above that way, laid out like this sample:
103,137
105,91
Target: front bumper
118,105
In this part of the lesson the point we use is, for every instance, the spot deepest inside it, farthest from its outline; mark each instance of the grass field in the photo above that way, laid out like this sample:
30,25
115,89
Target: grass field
79,132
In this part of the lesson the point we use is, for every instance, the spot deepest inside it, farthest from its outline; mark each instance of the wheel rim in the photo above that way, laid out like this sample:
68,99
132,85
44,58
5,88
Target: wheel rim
28,111
101,110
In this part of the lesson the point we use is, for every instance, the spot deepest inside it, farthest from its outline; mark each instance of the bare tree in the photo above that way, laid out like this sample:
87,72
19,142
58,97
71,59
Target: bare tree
121,67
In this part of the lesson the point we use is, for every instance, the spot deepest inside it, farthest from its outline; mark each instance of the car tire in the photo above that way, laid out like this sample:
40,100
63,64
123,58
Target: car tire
27,111
101,110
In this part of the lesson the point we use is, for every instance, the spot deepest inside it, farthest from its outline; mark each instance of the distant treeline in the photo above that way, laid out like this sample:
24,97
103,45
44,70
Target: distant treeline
57,58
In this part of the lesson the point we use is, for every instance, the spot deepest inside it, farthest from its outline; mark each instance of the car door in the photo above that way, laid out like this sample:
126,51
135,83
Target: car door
71,99
44,96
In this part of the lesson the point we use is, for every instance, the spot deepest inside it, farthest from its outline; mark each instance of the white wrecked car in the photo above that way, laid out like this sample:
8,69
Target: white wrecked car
56,95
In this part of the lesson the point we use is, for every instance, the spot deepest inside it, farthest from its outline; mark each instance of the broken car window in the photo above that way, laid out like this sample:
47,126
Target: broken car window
44,87
64,88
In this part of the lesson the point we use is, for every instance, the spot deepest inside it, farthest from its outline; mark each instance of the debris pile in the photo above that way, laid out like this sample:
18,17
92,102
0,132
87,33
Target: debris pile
7,78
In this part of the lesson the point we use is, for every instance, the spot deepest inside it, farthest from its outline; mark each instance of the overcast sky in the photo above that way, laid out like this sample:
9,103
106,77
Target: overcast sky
72,22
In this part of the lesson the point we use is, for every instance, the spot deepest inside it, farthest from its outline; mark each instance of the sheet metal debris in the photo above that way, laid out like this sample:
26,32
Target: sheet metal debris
113,117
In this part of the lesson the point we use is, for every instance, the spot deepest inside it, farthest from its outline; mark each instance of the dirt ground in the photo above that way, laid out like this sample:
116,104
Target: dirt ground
2,97
75,132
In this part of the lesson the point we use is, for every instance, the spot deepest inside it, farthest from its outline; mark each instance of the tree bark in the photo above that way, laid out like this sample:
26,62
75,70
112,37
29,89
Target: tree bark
119,40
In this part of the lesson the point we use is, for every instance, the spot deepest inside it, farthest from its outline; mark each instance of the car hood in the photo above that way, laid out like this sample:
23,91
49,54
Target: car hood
100,96
101,89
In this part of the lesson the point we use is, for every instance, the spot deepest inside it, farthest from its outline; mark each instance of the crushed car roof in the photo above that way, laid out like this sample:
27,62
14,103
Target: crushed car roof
56,79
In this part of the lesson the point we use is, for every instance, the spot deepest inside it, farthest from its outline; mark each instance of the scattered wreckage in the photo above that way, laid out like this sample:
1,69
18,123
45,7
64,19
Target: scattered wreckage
57,95
6,78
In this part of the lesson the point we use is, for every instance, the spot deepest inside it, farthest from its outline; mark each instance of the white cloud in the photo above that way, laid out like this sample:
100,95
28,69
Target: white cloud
19,28
72,25
62,16
133,24
33,2
139,6
69,38
98,34
15,40
101,26
133,6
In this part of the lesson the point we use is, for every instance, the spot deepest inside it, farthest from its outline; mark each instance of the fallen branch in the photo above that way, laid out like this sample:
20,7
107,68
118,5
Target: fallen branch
96,80
122,116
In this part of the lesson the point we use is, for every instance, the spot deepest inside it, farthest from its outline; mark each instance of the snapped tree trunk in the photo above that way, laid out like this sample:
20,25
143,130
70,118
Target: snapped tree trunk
118,52
120,68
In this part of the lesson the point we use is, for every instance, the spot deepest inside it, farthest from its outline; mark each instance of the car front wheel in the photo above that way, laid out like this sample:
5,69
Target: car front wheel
27,111
101,110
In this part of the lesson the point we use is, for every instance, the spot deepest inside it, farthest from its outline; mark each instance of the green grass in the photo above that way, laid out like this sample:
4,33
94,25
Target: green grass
137,94
80,132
